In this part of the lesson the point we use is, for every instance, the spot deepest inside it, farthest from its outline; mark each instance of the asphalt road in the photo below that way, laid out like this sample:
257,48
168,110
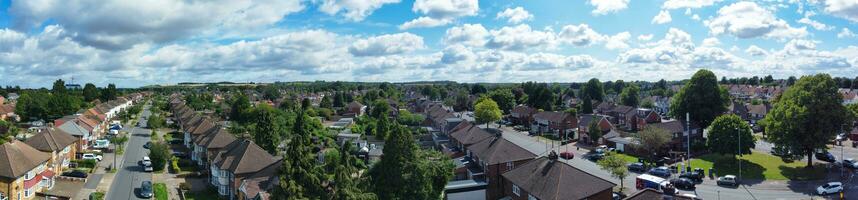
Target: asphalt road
705,190
127,181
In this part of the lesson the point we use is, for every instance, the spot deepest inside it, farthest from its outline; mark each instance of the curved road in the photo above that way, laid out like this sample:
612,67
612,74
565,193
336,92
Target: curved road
127,181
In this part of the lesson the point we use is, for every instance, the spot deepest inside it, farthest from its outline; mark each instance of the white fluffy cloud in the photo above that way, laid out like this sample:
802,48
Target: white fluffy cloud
710,42
580,35
355,10
815,24
520,37
677,4
645,37
387,45
467,34
608,6
749,20
515,15
440,12
662,17
618,41
118,25
846,33
754,50
847,9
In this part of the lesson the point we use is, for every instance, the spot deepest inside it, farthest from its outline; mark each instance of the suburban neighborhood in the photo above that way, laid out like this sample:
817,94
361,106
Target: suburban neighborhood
429,100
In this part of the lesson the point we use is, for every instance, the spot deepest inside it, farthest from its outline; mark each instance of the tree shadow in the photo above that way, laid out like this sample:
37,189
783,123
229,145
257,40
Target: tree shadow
752,173
801,173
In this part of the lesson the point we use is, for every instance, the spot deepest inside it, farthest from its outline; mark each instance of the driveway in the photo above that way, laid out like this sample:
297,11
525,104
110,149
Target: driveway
129,176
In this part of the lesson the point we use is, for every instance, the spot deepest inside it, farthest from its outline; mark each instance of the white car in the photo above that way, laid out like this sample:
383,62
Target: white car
90,156
830,188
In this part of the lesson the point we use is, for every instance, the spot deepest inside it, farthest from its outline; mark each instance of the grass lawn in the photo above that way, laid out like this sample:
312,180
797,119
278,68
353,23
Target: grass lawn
628,158
759,166
160,191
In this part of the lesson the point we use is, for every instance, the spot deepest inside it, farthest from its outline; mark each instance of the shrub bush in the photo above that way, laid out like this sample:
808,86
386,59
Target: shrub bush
174,165
85,163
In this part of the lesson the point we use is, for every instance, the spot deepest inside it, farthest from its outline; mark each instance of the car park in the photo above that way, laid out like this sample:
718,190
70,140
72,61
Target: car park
683,183
829,188
728,180
146,189
636,167
75,173
91,156
660,172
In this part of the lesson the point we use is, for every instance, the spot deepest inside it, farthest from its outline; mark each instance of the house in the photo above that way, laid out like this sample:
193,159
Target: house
661,104
356,108
494,157
757,112
7,112
12,97
522,115
584,126
652,194
676,128
208,145
58,143
23,171
240,160
850,97
554,123
257,185
78,130
546,178
468,134
738,109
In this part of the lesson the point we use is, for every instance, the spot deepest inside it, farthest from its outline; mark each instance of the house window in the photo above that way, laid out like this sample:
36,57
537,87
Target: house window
516,190
531,197
28,193
509,166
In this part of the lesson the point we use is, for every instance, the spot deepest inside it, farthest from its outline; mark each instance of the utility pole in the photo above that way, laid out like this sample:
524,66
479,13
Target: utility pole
739,135
688,134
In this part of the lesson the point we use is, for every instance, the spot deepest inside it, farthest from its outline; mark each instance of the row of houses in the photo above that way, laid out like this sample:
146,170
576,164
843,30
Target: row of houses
236,167
30,167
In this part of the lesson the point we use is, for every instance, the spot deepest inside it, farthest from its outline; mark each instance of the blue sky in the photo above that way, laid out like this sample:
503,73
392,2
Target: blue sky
136,43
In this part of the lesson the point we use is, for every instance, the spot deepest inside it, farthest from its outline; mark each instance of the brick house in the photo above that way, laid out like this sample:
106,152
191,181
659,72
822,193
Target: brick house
23,171
58,143
496,156
545,178
677,129
554,123
583,127
522,115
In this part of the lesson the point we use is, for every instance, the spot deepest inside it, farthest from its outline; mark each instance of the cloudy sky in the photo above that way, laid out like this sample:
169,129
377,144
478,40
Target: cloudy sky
143,42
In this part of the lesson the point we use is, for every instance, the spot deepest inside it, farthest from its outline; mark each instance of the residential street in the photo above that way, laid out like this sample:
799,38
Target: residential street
706,190
129,176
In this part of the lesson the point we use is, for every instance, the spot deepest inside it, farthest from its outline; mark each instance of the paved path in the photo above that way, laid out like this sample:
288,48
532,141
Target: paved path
706,190
127,181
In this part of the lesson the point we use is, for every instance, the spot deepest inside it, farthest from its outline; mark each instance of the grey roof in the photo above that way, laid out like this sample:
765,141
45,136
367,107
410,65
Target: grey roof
71,127
499,150
243,157
549,179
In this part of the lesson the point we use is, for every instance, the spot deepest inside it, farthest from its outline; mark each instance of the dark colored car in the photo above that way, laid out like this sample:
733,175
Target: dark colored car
693,175
660,172
567,155
595,156
146,189
147,145
824,156
636,167
76,174
683,183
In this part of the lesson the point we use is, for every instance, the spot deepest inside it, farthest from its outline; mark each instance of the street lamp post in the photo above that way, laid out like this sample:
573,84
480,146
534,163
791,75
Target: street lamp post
739,135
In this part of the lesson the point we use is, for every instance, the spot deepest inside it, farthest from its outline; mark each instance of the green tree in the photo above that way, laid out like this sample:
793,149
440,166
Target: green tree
300,178
652,140
90,92
345,185
594,90
487,111
616,165
504,98
702,97
7,131
339,100
726,132
478,89
405,172
807,116
594,130
269,127
109,93
239,107
59,87
155,121
326,102
587,106
648,103
159,153
630,96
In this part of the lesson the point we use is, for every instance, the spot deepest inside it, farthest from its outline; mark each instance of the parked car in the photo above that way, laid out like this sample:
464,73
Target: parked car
147,145
692,175
76,174
145,161
146,189
830,188
683,183
841,137
728,180
849,163
690,196
660,172
824,156
636,167
91,156
567,155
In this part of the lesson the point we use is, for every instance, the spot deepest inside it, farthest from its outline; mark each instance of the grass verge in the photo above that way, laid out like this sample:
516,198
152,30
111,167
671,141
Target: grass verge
160,191
759,166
